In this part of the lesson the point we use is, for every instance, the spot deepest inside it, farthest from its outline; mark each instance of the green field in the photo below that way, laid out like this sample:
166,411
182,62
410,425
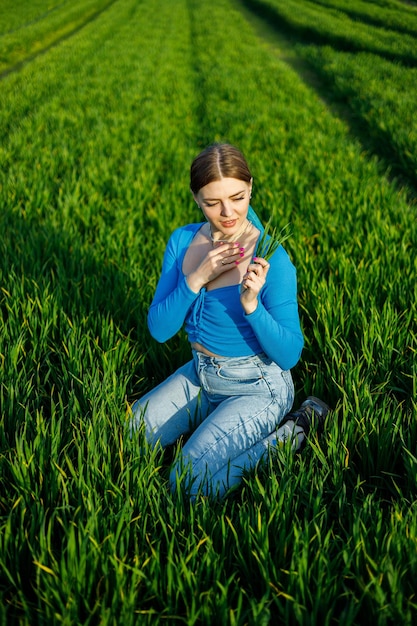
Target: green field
103,105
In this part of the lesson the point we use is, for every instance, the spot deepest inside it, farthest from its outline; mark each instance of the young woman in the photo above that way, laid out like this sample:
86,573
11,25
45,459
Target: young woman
241,317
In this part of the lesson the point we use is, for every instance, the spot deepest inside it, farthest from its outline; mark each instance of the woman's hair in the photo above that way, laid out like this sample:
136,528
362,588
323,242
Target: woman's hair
220,160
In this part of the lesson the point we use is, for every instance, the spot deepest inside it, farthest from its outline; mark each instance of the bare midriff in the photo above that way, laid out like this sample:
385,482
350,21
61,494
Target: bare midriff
200,348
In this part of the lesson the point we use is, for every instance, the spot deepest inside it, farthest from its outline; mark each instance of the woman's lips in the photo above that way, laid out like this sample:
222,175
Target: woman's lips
229,224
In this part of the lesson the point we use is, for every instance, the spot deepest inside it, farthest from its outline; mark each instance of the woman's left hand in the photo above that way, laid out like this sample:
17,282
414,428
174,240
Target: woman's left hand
252,283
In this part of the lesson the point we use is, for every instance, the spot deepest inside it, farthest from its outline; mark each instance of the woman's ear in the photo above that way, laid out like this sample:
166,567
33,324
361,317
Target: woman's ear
196,199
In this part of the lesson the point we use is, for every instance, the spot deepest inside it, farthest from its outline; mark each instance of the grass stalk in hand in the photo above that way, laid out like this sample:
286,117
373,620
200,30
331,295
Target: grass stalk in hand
271,240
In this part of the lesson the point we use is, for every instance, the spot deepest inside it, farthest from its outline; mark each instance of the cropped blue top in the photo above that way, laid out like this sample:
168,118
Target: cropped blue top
215,318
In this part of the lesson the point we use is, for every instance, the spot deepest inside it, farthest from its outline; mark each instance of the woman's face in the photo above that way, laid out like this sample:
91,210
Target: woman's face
225,204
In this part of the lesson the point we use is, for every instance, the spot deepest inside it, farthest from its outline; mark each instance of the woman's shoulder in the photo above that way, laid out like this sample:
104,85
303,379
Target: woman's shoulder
189,230
182,236
281,260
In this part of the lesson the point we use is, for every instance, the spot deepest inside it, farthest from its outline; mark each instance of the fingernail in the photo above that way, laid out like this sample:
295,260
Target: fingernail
242,249
242,253
236,262
255,258
237,244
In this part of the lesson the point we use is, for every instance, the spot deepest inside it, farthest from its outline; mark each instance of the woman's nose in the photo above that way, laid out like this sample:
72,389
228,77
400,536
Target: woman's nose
226,209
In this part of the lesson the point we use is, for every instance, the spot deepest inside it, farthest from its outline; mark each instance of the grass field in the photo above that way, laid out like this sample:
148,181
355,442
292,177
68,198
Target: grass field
103,105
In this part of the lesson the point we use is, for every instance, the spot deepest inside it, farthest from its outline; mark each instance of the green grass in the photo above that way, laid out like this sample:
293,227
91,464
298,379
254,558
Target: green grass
357,68
393,16
97,135
19,13
31,29
340,28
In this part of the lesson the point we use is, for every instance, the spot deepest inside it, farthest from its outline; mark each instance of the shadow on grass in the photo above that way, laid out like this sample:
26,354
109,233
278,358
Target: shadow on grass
55,285
84,282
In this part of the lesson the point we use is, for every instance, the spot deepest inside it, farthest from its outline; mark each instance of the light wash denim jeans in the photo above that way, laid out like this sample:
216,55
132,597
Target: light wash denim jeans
229,405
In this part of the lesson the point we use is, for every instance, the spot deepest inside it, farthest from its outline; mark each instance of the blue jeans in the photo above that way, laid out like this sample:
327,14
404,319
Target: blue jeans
229,405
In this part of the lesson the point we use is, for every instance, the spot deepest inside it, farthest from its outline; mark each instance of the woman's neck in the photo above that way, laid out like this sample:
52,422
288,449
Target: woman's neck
244,229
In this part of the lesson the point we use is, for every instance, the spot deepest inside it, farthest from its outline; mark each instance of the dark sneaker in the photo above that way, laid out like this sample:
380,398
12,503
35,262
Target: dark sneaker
312,412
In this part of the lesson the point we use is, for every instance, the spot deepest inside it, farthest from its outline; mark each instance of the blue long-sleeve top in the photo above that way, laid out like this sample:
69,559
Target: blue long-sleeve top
215,318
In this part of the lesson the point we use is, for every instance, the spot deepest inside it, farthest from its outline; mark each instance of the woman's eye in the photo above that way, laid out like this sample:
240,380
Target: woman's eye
242,198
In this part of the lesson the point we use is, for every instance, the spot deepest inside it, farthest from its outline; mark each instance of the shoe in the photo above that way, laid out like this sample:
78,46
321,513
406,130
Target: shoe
312,412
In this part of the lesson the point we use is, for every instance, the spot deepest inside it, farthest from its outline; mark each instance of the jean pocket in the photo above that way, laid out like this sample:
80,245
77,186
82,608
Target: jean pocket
239,373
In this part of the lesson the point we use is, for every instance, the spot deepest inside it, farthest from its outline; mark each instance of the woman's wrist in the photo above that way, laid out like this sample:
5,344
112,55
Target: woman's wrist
194,282
250,307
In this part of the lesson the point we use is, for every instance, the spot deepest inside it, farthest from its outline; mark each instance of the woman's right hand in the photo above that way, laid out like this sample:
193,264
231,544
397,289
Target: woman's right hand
222,258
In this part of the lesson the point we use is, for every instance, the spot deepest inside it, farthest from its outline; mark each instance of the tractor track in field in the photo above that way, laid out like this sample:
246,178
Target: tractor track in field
35,20
282,45
31,57
294,34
